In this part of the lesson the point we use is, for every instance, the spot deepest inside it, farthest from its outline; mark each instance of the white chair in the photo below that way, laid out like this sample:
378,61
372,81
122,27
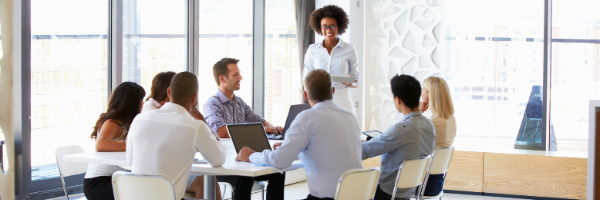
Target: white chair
127,186
412,173
66,168
359,184
440,165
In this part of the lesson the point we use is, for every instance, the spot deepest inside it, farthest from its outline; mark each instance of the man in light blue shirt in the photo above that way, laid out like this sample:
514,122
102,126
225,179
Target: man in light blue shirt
411,138
326,137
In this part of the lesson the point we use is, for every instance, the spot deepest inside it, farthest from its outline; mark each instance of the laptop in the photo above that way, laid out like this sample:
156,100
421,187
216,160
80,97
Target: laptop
252,135
294,111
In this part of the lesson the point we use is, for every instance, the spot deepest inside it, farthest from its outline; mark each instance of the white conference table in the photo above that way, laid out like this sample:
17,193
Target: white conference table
231,167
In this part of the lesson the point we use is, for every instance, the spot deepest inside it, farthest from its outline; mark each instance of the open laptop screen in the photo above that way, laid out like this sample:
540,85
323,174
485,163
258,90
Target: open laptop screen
251,135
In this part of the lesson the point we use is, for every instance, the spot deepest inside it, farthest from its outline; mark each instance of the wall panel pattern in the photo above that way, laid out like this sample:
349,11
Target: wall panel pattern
401,37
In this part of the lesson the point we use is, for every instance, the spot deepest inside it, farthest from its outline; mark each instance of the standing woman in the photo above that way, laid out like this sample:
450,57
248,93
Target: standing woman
332,54
436,96
110,132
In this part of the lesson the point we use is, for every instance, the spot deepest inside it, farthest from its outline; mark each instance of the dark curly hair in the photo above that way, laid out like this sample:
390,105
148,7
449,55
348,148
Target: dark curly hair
330,11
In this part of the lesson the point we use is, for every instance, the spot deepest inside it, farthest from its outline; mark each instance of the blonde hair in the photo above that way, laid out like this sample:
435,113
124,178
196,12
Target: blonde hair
440,101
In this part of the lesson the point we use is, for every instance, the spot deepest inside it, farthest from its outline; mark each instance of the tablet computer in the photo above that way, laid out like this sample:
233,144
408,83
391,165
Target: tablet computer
343,79
372,133
251,135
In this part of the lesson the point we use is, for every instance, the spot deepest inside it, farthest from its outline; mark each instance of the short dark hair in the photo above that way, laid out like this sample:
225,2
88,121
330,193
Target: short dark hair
220,68
317,84
160,83
331,11
408,89
183,86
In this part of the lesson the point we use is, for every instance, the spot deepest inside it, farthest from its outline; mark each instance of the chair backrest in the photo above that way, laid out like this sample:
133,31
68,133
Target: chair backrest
67,168
441,160
127,185
412,173
358,184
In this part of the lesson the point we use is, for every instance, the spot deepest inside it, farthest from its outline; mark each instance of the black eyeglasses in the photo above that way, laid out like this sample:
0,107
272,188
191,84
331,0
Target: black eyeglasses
332,27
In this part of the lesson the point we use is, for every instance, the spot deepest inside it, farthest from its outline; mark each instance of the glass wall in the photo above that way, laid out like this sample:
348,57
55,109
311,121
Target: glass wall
575,70
68,77
225,31
282,69
494,68
153,39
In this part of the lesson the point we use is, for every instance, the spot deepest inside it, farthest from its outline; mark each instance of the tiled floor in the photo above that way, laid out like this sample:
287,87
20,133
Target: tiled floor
300,190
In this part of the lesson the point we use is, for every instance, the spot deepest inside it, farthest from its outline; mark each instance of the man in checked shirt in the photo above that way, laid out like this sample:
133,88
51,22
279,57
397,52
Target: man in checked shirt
226,108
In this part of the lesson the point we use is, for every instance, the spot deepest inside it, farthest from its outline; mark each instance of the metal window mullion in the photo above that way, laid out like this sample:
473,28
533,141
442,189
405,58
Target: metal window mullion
192,35
547,74
22,96
115,42
258,56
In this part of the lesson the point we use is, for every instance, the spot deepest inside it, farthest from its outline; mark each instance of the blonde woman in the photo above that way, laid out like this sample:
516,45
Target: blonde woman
436,97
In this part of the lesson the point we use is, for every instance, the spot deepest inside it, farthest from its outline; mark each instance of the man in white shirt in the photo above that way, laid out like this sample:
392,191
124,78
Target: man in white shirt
164,141
326,137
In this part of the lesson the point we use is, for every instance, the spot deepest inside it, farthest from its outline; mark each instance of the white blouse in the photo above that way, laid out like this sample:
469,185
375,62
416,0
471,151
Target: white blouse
342,61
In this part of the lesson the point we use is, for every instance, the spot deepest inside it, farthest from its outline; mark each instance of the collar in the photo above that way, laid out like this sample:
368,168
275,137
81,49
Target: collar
175,107
339,44
222,98
326,103
412,114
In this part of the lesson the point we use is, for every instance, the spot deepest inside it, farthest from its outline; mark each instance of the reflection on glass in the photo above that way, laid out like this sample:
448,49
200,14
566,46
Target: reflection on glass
153,39
493,59
282,70
68,77
225,31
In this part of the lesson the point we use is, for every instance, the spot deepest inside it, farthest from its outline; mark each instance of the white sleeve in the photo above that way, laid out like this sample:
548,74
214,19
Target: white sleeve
308,64
353,65
211,149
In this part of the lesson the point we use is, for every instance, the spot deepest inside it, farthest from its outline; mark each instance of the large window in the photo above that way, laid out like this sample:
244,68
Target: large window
494,68
153,39
575,71
225,31
68,77
282,70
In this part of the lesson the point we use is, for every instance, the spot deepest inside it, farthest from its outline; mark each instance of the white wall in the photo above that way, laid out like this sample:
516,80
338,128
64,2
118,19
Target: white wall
401,37
8,20
355,36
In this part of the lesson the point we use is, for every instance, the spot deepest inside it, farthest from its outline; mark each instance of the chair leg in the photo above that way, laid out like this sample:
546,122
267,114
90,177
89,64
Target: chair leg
64,187
263,194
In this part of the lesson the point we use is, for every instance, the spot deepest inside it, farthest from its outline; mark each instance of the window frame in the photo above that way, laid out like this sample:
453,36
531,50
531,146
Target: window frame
25,188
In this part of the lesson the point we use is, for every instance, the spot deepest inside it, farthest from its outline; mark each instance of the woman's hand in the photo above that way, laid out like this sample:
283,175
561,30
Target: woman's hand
423,106
197,115
351,85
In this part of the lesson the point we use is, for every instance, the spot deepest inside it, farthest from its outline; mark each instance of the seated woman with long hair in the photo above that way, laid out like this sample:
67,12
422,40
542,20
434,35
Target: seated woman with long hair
436,97
110,134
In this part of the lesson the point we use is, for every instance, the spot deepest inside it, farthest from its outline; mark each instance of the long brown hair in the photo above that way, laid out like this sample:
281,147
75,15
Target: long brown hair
124,104
160,83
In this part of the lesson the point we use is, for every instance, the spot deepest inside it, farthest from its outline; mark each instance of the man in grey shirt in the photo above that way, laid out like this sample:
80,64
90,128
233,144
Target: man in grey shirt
411,138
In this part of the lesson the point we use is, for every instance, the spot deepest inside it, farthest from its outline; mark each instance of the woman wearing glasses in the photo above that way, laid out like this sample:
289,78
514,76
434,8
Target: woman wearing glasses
332,54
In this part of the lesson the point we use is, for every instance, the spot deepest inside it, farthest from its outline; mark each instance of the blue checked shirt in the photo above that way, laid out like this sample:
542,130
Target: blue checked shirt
220,111
411,138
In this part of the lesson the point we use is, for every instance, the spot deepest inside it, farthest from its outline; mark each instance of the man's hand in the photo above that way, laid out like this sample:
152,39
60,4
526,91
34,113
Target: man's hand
244,154
276,130
423,106
277,144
